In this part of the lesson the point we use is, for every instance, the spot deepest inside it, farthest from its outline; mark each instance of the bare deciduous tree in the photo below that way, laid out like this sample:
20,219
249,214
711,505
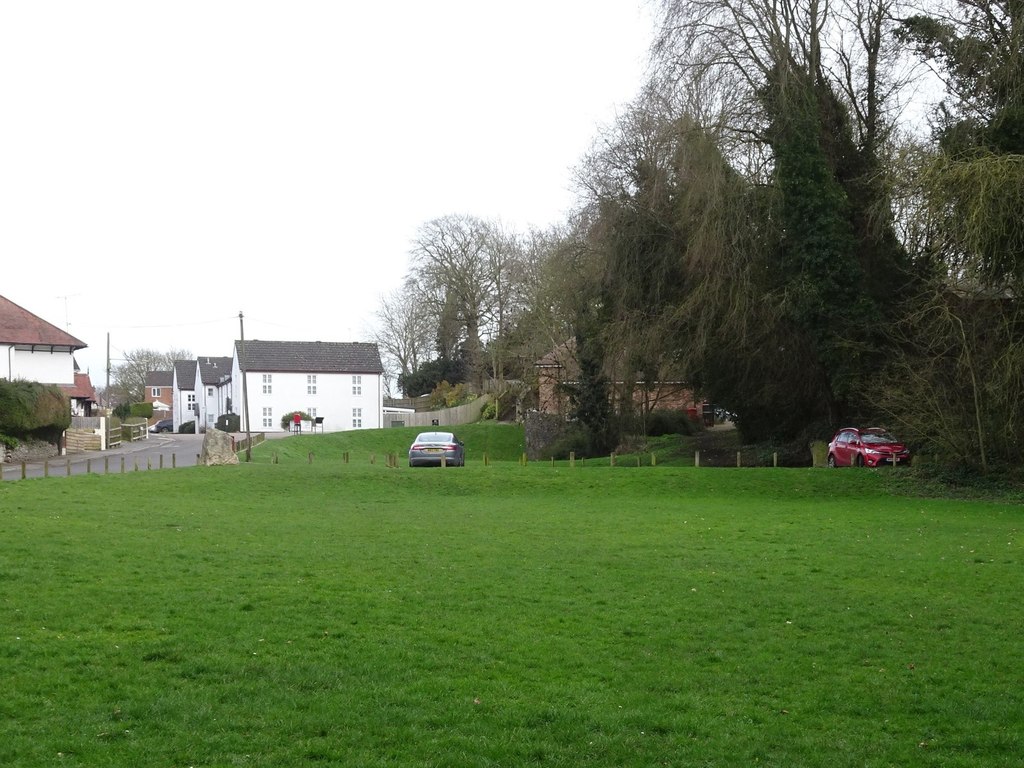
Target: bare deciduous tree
129,377
405,332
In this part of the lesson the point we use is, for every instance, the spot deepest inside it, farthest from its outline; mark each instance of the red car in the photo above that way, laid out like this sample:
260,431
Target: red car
853,447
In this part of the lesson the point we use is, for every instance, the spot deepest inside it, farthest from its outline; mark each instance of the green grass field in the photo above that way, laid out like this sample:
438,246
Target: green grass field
351,614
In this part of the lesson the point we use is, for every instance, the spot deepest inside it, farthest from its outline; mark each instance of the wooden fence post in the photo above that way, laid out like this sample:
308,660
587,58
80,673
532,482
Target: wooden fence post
739,462
696,458
46,468
572,458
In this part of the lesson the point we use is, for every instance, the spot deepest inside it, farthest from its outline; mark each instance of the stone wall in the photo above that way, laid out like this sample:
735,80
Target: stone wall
541,431
31,450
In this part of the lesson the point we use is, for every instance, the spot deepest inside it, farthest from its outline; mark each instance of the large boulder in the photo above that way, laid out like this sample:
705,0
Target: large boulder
217,449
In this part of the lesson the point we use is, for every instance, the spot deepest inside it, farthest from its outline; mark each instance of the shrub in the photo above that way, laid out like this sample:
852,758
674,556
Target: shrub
123,411
489,412
145,410
188,428
28,408
447,396
229,422
666,422
573,440
289,418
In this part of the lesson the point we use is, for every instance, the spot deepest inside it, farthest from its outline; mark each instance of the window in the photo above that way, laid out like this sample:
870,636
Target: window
154,391
357,418
209,391
190,401
311,384
268,384
311,412
357,385
268,417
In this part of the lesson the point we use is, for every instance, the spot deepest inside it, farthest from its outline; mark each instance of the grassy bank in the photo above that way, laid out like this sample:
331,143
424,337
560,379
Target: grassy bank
349,614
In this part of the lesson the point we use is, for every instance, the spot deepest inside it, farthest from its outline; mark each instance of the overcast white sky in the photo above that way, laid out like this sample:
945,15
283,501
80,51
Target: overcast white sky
165,166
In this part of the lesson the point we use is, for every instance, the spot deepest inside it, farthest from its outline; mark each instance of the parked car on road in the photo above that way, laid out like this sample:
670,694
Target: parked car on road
429,448
852,447
164,425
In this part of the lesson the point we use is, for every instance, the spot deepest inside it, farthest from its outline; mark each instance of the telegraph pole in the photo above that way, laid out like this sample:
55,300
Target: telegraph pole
245,388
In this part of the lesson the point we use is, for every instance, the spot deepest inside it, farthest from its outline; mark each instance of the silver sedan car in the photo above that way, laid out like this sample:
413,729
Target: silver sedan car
430,448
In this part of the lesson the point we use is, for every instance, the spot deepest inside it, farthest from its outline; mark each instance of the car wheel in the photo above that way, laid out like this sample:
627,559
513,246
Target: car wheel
832,460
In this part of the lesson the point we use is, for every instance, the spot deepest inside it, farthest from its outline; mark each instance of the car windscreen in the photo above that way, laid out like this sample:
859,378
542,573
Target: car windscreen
435,437
878,438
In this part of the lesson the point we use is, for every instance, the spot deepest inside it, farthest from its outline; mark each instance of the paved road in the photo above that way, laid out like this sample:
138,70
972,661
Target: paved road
165,451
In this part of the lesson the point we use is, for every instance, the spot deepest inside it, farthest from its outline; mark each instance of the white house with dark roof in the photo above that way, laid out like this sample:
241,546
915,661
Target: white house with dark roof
184,389
213,390
341,383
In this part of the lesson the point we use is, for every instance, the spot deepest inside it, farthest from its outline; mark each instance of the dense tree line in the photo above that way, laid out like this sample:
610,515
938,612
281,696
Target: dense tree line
763,223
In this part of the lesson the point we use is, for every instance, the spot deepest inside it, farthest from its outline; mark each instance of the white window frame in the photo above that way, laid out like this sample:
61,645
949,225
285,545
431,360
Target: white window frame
310,383
357,418
268,417
268,384
357,385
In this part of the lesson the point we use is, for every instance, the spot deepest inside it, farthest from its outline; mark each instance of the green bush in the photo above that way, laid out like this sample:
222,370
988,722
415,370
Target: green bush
229,422
188,428
574,440
145,410
447,396
28,408
666,422
123,411
489,412
289,418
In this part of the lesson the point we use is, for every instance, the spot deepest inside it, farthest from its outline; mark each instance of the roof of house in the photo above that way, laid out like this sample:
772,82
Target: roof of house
185,371
311,356
82,388
159,378
562,356
19,326
215,370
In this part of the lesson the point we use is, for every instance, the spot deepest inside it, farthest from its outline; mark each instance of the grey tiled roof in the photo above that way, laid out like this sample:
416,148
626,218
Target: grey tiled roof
159,378
311,356
215,370
186,371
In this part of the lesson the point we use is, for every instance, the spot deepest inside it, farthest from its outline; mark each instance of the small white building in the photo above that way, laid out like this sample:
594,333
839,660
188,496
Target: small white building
341,384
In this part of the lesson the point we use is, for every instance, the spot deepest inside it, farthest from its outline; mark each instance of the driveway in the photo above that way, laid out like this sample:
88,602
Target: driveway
165,451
